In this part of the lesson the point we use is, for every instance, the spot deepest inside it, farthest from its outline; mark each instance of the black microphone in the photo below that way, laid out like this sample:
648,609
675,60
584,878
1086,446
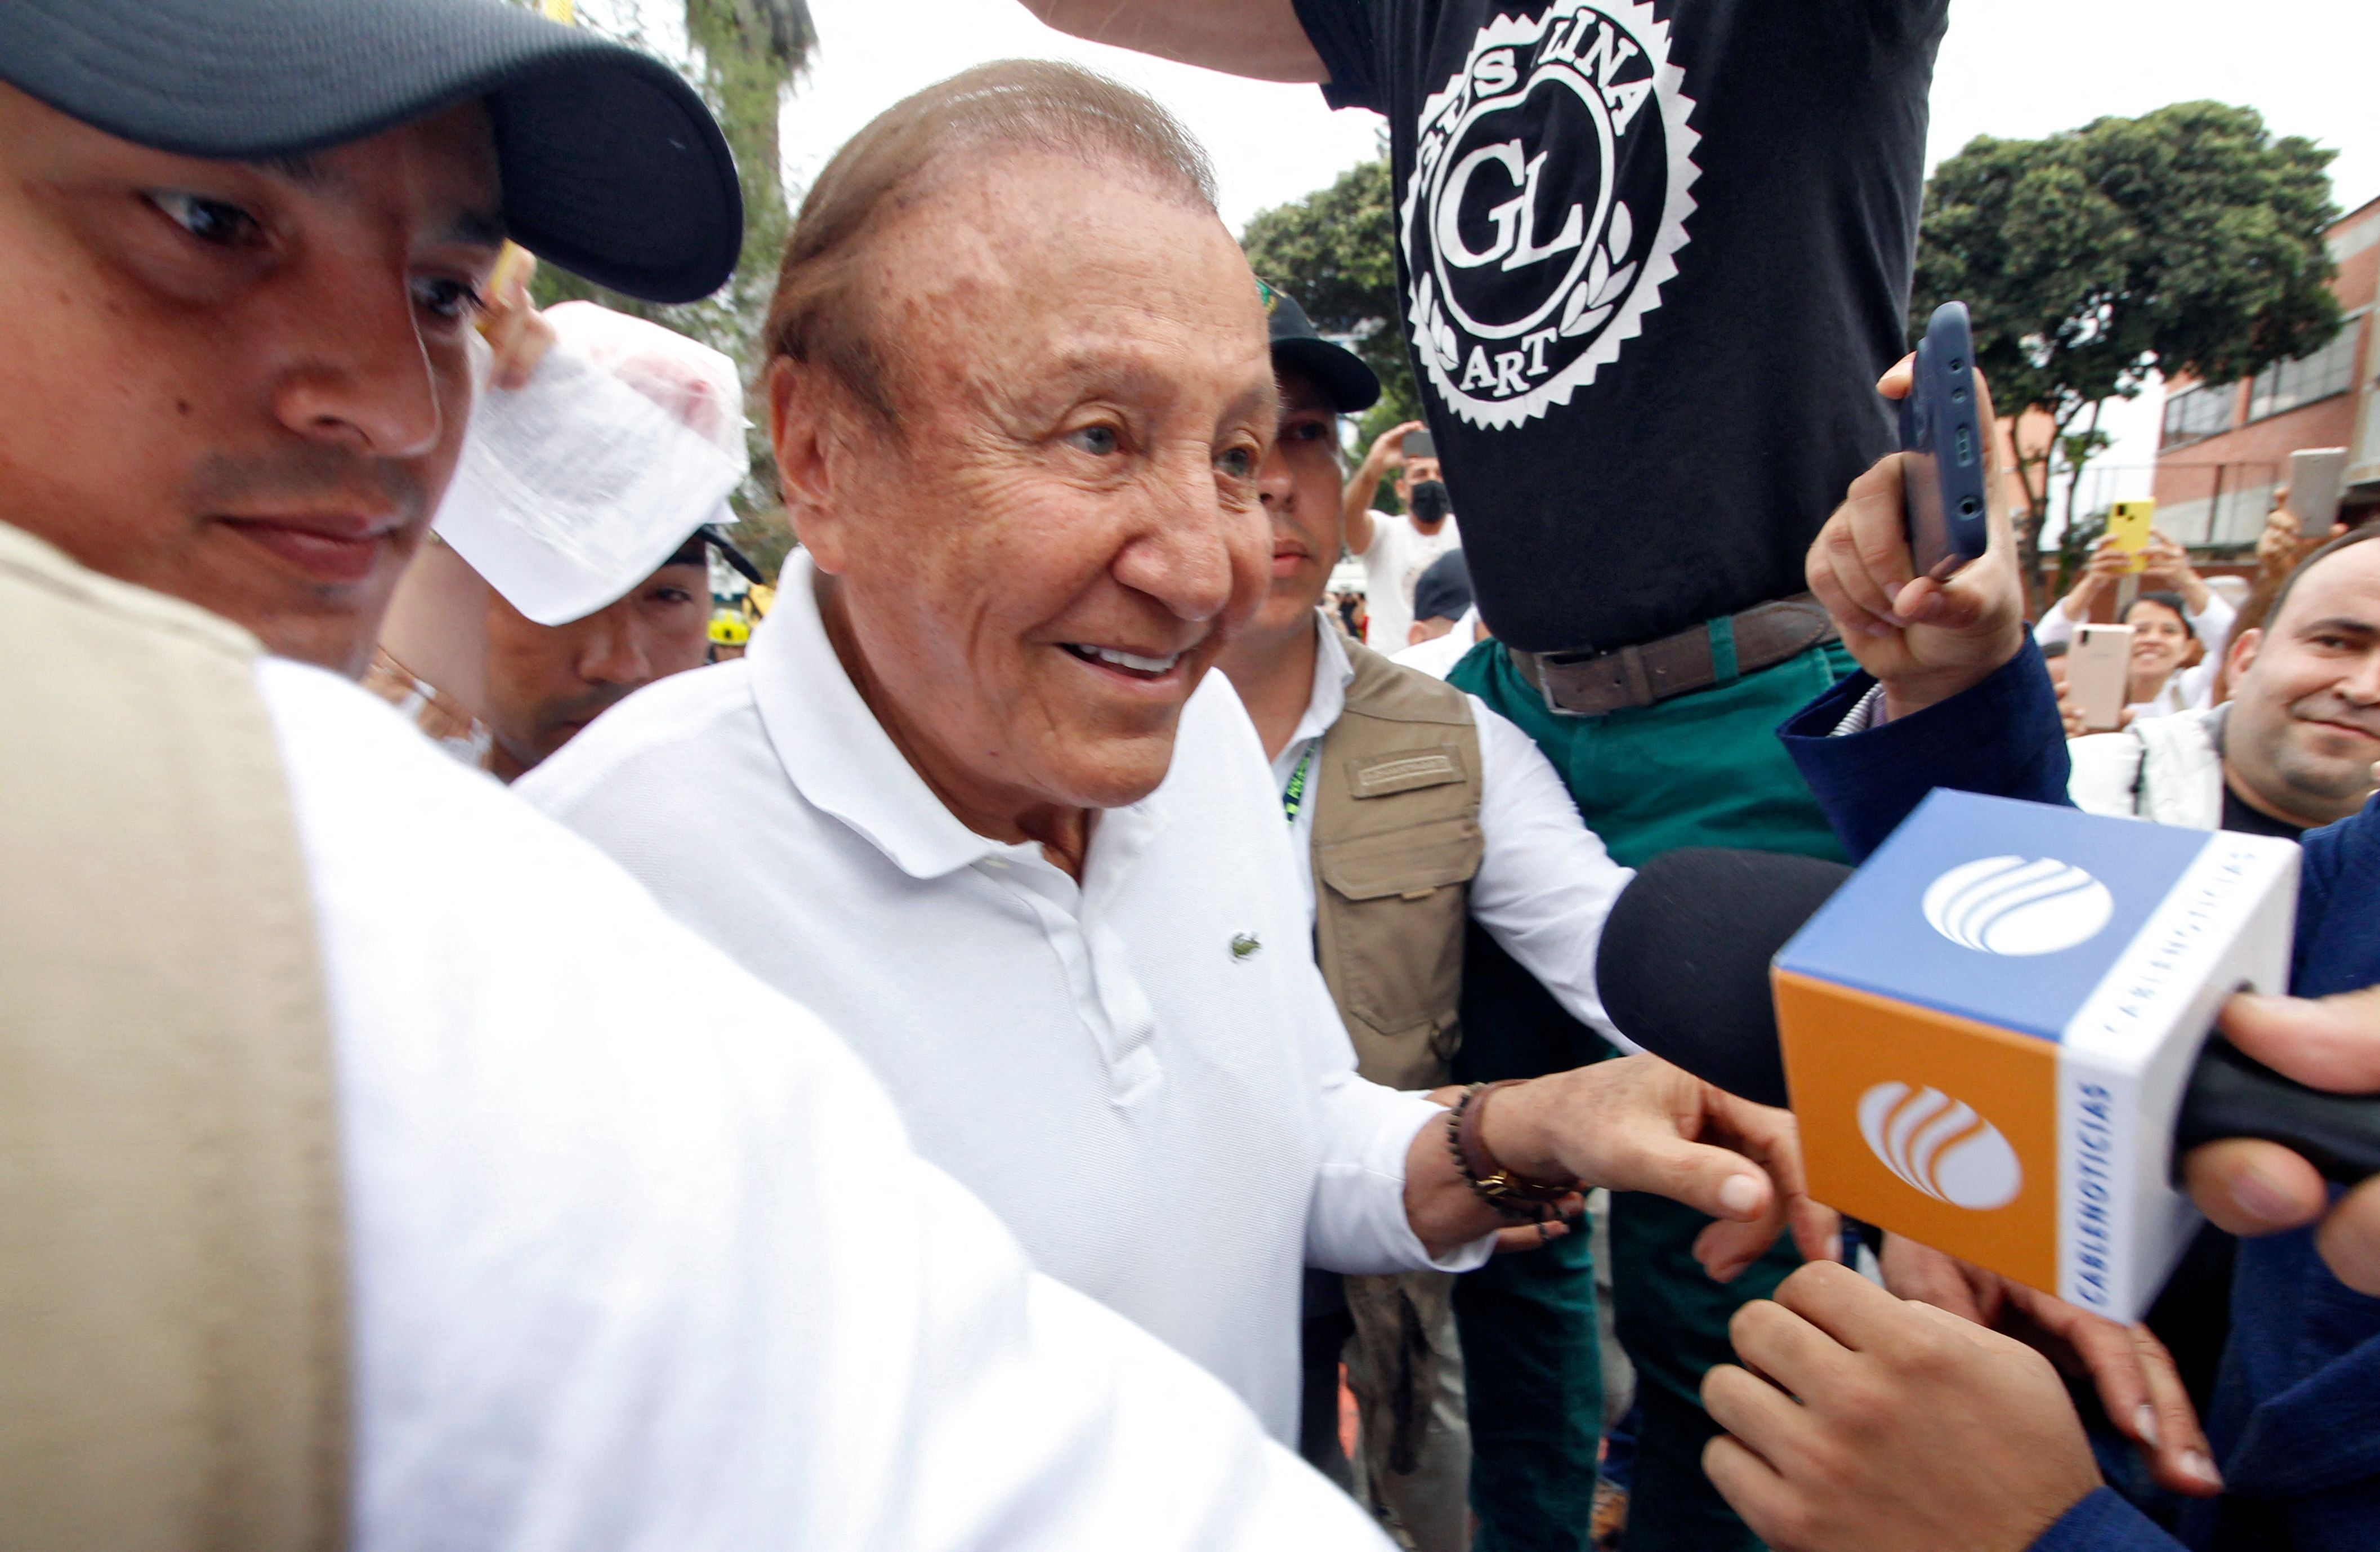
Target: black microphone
1683,970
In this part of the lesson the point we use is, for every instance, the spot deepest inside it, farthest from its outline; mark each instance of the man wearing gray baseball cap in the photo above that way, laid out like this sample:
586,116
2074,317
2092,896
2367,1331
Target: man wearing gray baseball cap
244,243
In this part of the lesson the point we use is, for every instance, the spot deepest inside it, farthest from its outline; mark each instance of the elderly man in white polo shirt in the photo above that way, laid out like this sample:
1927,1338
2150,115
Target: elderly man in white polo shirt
974,798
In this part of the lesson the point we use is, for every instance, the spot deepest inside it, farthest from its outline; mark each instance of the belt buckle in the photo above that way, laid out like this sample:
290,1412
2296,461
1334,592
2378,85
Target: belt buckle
1636,684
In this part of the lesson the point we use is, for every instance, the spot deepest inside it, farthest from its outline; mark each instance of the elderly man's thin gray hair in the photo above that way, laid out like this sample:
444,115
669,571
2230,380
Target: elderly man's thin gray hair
1015,105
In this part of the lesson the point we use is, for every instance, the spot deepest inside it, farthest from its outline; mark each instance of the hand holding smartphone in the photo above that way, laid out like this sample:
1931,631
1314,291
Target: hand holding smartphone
2098,675
1942,430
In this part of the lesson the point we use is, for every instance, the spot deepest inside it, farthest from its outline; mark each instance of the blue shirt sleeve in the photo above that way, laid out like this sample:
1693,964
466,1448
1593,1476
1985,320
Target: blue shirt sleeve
2001,738
2105,1523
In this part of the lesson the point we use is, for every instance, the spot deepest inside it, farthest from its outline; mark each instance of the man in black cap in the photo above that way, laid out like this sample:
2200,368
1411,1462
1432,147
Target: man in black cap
245,244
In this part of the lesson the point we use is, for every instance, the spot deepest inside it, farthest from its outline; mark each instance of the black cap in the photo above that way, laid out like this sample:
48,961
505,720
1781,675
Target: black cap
612,167
1443,589
1336,370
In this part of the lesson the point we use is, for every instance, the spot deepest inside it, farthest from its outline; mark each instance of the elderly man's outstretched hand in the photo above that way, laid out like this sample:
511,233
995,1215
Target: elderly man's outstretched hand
1638,1123
1926,639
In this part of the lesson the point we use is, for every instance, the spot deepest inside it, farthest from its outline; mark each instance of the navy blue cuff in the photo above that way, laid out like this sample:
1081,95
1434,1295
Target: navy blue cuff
2104,1522
2002,738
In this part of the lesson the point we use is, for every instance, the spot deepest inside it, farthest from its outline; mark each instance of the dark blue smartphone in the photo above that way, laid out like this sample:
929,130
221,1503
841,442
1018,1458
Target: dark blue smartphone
1942,478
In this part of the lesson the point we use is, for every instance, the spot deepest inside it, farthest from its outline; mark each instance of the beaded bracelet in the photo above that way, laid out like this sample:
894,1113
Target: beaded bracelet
1514,1197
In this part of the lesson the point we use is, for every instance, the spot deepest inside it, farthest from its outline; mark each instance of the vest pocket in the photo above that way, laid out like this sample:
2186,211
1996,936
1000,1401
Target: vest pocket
1391,927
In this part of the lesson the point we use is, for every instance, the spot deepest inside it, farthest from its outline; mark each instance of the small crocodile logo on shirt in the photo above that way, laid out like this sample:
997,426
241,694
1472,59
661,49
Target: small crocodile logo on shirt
1244,945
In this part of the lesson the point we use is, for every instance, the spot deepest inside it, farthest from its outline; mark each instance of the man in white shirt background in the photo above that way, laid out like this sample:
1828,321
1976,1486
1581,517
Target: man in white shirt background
974,796
1396,549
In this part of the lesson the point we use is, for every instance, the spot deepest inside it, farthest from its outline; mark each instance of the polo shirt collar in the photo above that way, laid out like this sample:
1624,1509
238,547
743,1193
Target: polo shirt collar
1333,673
835,750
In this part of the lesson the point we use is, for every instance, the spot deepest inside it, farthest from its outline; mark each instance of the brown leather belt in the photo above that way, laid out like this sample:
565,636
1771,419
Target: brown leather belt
1595,683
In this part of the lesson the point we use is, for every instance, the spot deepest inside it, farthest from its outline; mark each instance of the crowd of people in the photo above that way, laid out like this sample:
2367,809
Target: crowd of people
975,1061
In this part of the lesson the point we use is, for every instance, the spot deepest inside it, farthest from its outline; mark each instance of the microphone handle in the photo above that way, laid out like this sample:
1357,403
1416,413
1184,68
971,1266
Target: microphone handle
2231,1094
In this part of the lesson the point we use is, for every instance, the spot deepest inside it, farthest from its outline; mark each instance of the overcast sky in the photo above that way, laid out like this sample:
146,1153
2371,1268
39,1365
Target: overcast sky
2009,68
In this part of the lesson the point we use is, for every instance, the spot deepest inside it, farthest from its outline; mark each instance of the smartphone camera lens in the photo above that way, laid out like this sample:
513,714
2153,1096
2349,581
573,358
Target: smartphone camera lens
1967,508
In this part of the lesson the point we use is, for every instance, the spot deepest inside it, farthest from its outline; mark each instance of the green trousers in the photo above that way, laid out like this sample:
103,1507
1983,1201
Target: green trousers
1704,769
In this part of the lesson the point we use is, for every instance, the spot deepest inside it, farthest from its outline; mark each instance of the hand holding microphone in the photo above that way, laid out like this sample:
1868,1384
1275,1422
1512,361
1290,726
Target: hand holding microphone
1685,971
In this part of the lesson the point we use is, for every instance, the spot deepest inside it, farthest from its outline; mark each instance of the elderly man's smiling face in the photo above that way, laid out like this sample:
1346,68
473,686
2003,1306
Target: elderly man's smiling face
1034,567
243,383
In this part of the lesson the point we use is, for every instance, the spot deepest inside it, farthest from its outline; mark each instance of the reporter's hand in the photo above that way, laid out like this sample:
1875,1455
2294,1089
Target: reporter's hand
1925,640
2134,1375
2248,1186
1638,1123
1859,1422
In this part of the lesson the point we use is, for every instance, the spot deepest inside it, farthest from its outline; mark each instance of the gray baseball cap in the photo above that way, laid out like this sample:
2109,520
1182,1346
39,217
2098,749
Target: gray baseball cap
612,167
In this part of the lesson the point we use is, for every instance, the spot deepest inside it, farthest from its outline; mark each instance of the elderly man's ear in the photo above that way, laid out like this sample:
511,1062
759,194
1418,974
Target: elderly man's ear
804,422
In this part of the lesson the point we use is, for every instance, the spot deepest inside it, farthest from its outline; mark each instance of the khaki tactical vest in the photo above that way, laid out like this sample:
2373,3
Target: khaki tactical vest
1396,841
172,1297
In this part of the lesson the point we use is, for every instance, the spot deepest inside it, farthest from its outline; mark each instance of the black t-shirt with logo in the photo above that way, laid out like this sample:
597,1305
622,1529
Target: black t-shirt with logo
1653,257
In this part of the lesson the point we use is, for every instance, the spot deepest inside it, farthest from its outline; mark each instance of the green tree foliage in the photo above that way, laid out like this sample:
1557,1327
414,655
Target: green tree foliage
2188,240
1336,251
747,56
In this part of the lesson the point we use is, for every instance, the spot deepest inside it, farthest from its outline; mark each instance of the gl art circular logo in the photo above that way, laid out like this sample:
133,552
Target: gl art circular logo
1545,206
1939,1145
2008,905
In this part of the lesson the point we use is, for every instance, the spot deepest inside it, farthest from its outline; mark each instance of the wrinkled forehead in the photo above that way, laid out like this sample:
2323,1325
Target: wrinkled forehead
1030,261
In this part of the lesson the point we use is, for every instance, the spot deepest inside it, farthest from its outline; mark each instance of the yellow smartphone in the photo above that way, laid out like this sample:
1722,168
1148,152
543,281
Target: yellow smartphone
2128,525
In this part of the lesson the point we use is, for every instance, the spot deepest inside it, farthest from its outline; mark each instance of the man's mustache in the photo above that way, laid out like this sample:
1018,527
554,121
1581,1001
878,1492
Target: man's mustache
312,478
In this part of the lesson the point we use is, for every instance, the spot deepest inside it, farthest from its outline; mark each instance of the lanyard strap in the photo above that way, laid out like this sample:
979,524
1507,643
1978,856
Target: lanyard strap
1292,796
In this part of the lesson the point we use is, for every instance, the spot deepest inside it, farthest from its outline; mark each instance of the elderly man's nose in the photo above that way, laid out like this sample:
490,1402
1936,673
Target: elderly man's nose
1188,565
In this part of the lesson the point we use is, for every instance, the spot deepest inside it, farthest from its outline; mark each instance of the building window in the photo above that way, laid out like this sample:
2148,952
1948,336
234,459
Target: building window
2284,385
2197,412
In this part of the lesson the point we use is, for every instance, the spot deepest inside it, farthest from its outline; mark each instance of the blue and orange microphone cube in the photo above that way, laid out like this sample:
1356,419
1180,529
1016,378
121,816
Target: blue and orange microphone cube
1988,1028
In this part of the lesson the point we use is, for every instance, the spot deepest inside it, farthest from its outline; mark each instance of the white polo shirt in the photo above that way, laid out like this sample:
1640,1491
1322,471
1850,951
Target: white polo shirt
638,1256
1142,1074
1545,883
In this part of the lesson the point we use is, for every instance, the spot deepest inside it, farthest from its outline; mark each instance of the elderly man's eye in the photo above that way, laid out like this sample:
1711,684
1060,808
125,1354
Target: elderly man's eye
1097,441
1239,463
215,222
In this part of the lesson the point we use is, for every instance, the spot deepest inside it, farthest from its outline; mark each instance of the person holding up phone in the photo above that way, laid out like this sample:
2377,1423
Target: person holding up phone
1395,550
2175,614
